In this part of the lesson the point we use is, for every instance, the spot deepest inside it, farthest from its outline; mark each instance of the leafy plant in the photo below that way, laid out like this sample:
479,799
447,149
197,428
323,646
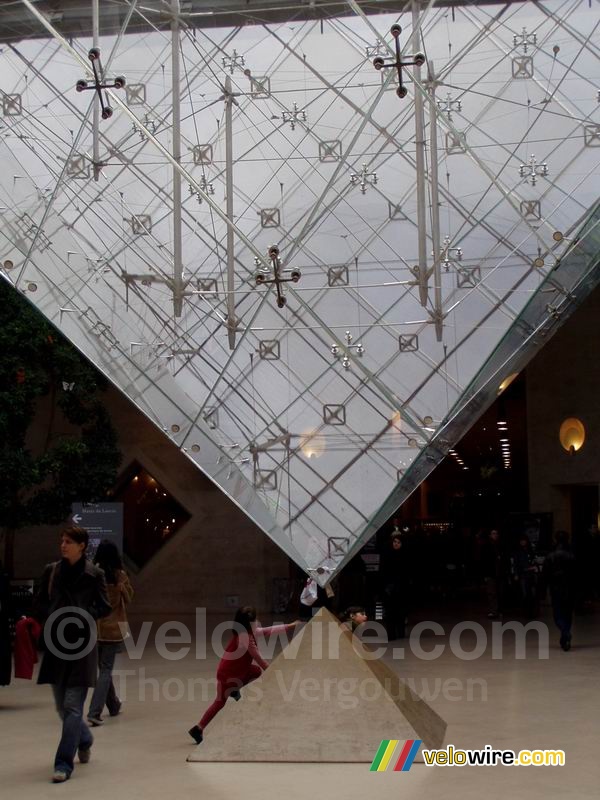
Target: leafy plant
41,373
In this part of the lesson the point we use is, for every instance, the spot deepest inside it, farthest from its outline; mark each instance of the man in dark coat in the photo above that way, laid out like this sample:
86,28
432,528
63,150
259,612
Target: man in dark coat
395,572
493,571
559,574
71,598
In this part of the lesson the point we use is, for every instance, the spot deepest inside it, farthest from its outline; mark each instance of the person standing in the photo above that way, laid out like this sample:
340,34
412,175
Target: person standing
72,596
492,568
111,631
395,582
559,574
525,574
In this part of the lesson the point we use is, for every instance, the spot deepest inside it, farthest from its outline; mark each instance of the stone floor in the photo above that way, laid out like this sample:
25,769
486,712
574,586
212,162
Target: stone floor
548,703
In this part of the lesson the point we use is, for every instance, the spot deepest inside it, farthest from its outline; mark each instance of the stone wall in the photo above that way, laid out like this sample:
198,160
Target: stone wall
564,381
217,554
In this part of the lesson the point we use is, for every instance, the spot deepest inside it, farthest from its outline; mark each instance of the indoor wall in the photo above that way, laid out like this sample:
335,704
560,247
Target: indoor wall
564,381
217,558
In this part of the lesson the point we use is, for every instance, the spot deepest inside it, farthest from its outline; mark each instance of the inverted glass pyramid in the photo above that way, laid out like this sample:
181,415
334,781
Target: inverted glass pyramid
441,237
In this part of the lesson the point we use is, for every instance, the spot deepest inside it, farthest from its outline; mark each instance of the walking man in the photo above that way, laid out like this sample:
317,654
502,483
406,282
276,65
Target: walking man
72,596
559,574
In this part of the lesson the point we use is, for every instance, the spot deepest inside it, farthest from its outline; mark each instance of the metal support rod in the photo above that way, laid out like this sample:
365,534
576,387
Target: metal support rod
96,101
367,118
150,136
392,399
75,144
435,207
420,162
508,194
231,320
177,260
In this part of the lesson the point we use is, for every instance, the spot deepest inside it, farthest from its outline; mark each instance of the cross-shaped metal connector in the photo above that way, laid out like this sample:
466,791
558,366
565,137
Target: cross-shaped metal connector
525,39
297,115
450,254
236,61
279,276
418,59
342,352
532,171
206,187
99,83
449,105
363,179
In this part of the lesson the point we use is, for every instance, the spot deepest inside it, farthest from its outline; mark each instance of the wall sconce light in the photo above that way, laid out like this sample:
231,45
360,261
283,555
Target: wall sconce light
572,434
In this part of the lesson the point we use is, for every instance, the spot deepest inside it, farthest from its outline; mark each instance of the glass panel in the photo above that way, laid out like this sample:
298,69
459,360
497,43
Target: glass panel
420,291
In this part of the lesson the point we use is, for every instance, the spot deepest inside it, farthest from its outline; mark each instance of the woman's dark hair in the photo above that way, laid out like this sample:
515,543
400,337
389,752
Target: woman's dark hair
78,535
109,559
350,611
245,616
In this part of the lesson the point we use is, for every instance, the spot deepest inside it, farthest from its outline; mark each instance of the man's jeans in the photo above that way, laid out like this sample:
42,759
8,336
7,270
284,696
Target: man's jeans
75,733
562,608
104,693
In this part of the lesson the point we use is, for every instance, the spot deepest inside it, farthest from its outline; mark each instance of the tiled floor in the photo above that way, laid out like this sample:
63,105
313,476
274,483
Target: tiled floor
529,703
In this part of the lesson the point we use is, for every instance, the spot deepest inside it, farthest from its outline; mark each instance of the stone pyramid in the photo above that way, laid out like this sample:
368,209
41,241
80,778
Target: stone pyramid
323,699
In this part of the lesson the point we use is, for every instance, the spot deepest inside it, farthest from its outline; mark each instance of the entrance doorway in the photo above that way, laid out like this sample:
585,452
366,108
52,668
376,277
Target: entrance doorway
584,508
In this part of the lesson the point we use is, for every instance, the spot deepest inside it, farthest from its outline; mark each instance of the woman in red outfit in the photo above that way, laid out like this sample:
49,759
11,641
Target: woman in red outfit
241,663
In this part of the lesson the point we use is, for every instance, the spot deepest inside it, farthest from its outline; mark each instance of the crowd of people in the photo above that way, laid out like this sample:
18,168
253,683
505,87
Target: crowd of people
413,569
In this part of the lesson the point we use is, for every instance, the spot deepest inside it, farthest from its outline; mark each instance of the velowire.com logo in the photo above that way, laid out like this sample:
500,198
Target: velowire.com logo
402,755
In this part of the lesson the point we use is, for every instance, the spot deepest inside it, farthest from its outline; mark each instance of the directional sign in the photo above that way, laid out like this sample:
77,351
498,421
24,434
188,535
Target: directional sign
101,521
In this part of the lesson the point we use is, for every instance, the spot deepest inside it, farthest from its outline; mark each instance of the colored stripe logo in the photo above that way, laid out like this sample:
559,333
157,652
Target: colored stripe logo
385,751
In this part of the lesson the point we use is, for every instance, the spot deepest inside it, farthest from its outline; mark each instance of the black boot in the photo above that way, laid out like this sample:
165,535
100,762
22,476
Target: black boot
236,694
565,642
196,733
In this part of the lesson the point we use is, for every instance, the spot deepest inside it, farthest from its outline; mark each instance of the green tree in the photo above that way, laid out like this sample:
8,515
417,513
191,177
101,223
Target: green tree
42,373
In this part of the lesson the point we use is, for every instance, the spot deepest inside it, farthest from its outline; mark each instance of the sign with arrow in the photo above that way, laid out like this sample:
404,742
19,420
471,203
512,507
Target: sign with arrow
101,521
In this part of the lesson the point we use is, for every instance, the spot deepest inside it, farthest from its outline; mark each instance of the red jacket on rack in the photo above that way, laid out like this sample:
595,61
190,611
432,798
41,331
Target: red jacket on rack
27,632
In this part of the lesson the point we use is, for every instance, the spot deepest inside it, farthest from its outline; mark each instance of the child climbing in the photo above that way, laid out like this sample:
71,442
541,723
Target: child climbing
241,663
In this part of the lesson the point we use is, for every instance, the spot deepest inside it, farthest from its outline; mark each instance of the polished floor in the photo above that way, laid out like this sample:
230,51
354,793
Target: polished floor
509,703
